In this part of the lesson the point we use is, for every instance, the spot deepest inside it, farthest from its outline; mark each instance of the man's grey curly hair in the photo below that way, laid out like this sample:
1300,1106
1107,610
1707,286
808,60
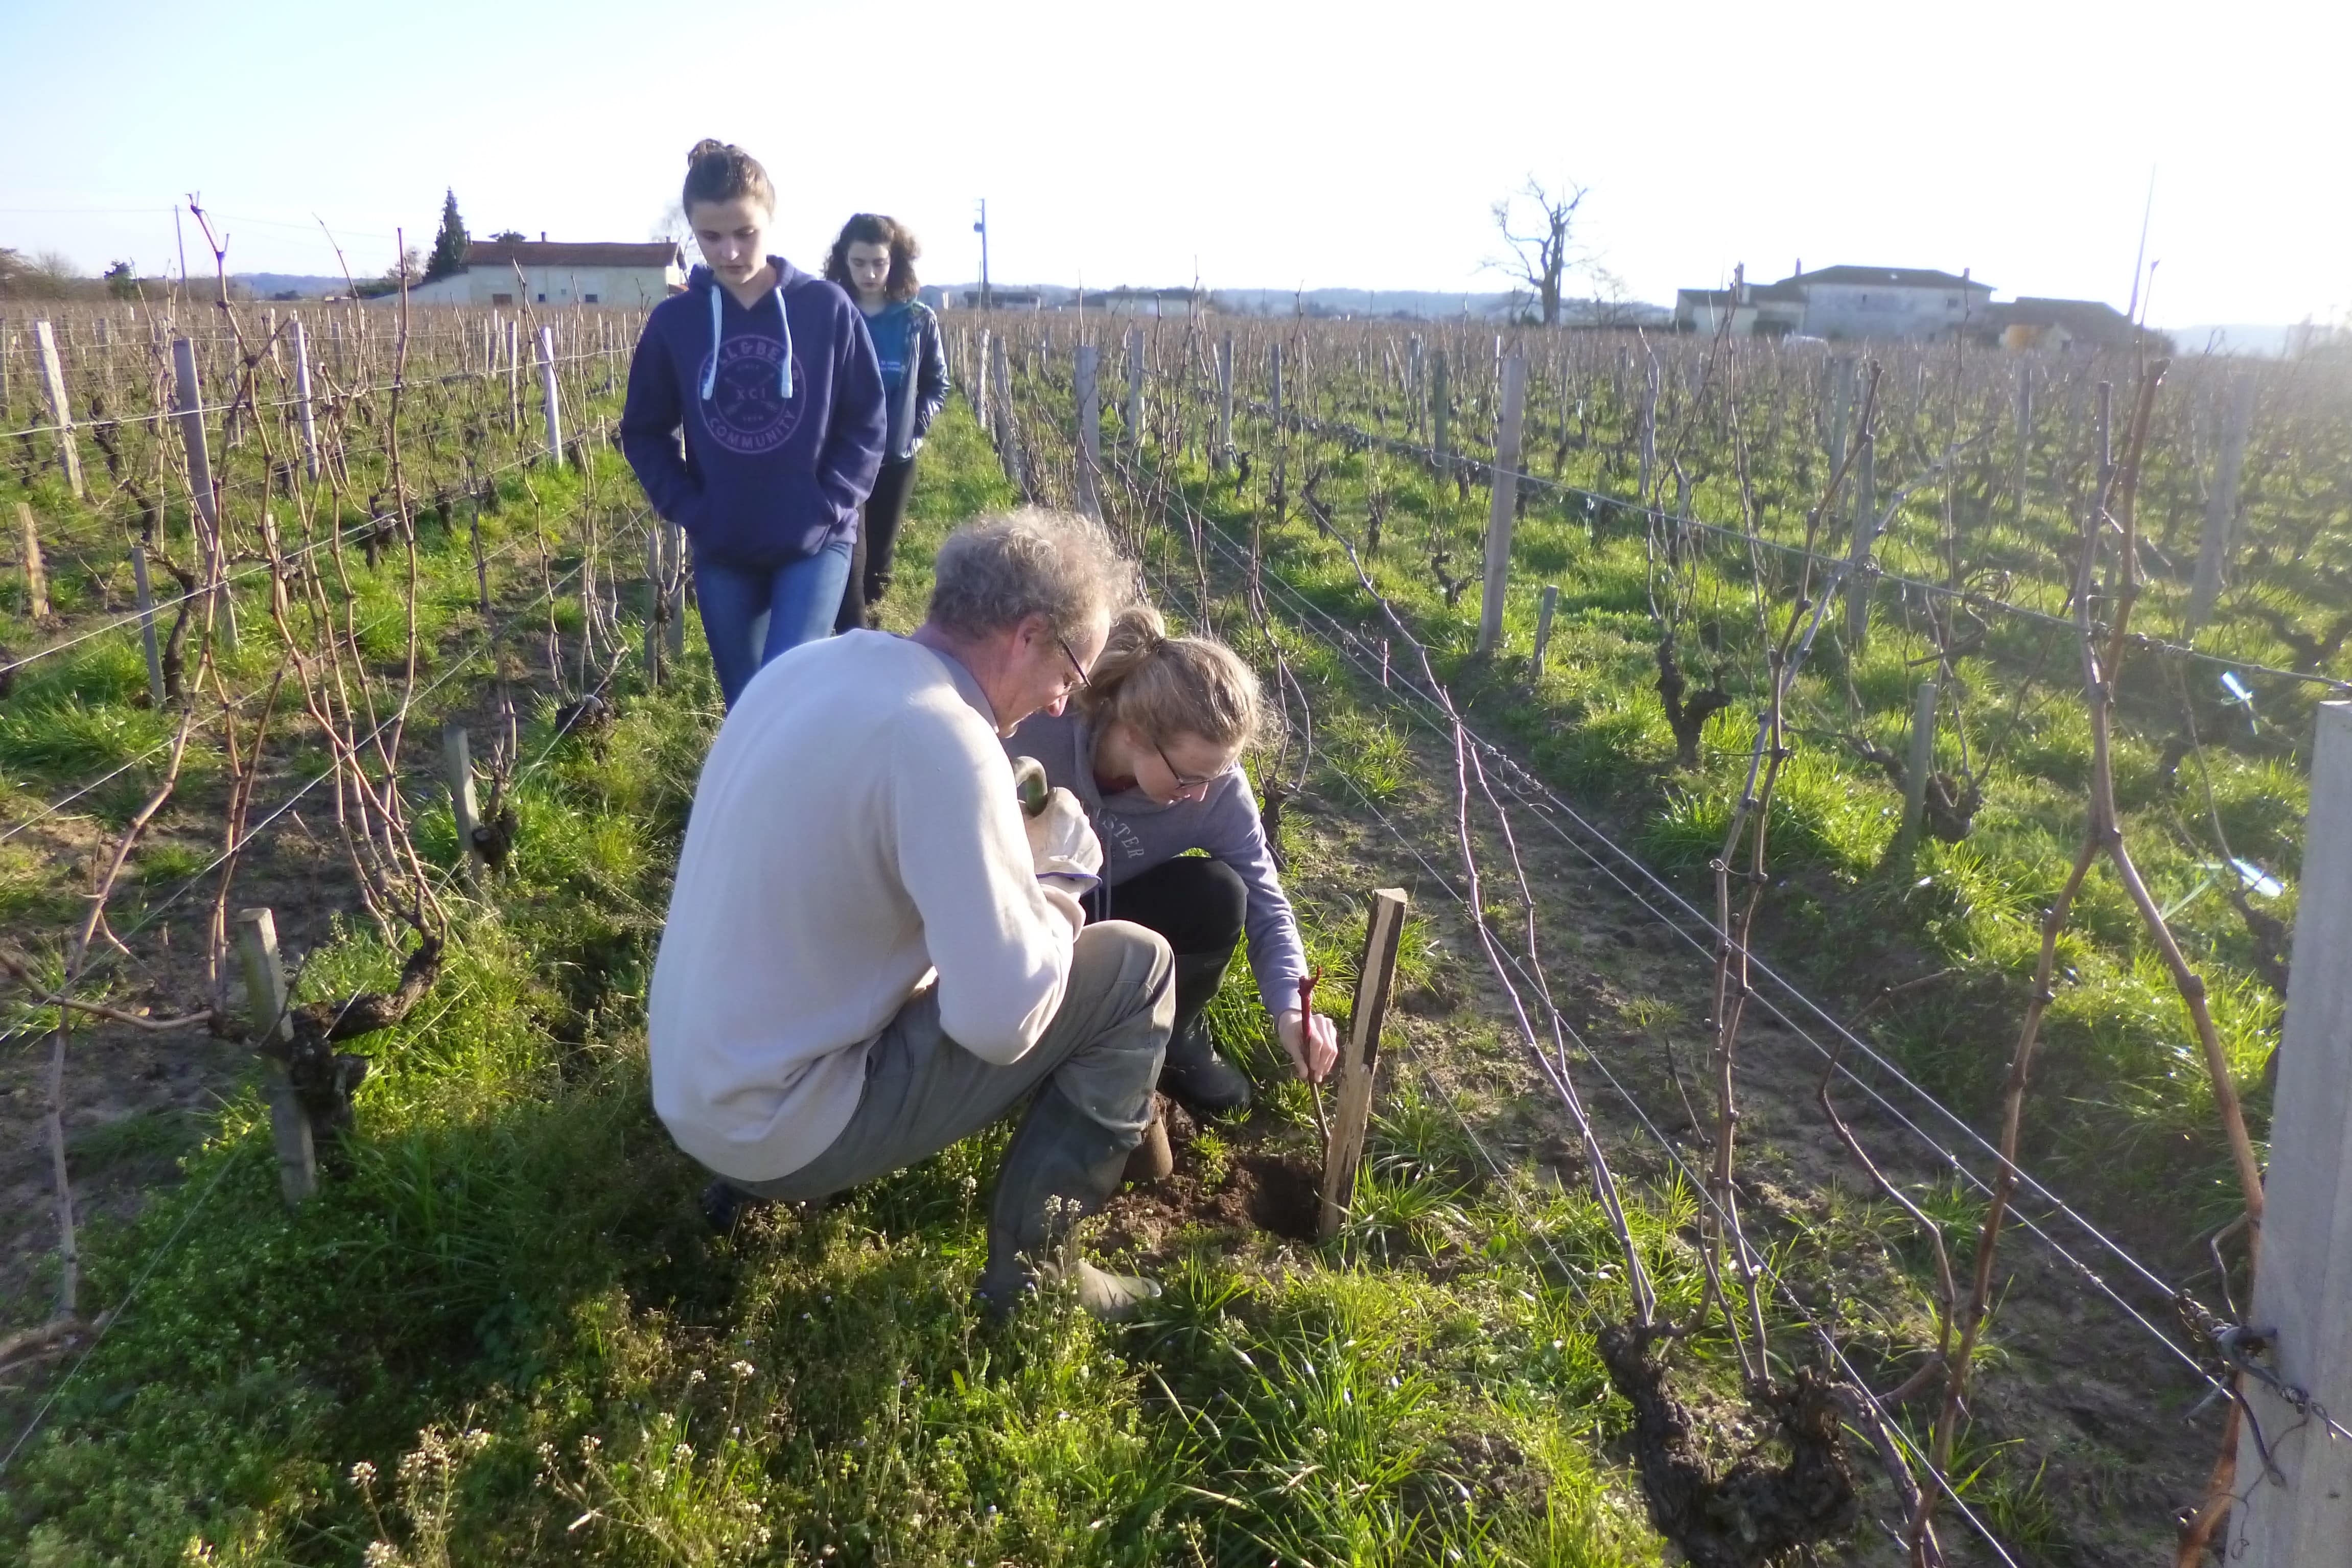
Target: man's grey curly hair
994,573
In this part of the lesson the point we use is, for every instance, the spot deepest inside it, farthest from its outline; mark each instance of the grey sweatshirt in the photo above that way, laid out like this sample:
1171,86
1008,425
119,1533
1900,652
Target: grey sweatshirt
1137,833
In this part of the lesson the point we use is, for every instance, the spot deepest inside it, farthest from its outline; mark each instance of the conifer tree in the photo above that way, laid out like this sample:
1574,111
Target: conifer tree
449,245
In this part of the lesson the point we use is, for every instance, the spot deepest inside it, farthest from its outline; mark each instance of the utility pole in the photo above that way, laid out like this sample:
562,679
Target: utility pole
987,301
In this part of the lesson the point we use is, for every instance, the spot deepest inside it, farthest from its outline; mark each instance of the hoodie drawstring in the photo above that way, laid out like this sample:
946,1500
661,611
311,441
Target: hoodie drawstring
711,372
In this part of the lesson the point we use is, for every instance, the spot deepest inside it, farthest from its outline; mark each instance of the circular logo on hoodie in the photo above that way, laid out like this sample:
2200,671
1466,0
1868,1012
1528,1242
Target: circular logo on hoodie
746,412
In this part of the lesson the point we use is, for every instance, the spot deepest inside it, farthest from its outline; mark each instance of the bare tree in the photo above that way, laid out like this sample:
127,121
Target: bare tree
1543,245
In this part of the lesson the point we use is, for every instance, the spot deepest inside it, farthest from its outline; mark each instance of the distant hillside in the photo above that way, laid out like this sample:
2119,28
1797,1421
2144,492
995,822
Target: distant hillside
1408,303
306,285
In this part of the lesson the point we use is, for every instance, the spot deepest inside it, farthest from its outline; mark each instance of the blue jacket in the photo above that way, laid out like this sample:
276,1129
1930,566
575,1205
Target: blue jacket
782,410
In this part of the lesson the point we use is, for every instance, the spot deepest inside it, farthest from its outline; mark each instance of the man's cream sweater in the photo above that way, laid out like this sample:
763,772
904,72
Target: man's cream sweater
855,835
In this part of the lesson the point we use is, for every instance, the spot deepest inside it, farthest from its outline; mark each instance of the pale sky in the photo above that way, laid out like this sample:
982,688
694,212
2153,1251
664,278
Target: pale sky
1259,145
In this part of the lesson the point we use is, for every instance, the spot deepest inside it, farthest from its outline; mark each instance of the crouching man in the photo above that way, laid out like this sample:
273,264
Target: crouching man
872,953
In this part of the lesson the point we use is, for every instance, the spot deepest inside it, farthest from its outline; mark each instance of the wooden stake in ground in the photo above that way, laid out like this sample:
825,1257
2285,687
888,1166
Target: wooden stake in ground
2295,1502
1504,505
548,396
273,1033
52,388
1088,397
1915,781
1543,627
2222,508
147,623
1360,1055
36,577
457,760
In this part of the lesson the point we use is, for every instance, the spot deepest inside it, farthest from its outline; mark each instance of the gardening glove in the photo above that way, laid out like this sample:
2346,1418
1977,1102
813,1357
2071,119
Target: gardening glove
1315,1049
1063,849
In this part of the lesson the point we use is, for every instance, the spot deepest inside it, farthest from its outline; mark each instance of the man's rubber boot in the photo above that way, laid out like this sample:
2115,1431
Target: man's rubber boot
1061,1166
723,1202
1199,1079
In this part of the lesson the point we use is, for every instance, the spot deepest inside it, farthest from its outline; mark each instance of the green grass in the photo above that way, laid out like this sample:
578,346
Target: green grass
505,1337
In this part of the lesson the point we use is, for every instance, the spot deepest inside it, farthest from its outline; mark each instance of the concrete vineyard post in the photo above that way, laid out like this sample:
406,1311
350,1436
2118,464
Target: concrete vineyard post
37,577
52,388
1135,394
514,377
147,622
1503,504
2304,1275
1089,405
548,396
457,762
188,402
1922,763
2222,507
1224,455
1543,626
302,399
273,1033
1360,1056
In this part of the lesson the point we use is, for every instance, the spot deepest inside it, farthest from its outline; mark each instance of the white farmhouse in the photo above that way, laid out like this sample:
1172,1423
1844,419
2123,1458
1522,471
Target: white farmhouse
537,272
1915,304
1902,303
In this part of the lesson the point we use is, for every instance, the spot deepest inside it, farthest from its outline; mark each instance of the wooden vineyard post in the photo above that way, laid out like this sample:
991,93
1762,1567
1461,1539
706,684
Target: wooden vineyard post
1649,428
1417,419
657,598
302,399
189,402
673,589
1089,404
52,388
2025,433
1000,372
1866,535
1135,394
1502,505
1921,764
37,577
1224,456
2222,507
549,397
147,622
1360,1056
457,761
273,1033
514,377
979,385
1543,627
1438,395
2295,1501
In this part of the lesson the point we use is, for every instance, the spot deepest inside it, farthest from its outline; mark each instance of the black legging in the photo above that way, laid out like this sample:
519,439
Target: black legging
1198,904
878,544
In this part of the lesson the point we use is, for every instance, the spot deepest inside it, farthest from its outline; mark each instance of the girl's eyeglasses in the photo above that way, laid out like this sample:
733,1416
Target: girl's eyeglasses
1183,781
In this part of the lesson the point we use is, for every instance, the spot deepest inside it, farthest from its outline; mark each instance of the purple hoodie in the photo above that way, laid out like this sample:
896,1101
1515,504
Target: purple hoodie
782,410
1139,832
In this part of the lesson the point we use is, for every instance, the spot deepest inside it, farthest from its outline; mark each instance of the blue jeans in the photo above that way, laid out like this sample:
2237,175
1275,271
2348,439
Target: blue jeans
752,614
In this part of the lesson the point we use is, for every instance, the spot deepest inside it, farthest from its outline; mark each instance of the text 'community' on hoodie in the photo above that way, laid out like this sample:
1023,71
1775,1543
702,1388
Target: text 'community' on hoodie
782,410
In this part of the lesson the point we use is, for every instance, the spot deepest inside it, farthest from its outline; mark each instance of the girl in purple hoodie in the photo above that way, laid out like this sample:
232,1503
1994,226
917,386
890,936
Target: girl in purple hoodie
771,376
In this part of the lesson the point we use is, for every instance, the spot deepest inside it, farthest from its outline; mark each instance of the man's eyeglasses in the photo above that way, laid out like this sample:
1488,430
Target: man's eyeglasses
1077,670
1183,781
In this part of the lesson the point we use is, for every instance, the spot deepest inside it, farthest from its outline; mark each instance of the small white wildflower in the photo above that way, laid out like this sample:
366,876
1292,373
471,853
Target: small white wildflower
742,1368
695,1377
381,1555
364,1474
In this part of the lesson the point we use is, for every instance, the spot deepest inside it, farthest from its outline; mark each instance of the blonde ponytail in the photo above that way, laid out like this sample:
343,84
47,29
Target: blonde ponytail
1163,687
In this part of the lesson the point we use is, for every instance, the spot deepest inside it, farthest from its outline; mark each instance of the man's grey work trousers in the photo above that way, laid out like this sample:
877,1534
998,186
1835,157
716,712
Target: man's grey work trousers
924,1091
